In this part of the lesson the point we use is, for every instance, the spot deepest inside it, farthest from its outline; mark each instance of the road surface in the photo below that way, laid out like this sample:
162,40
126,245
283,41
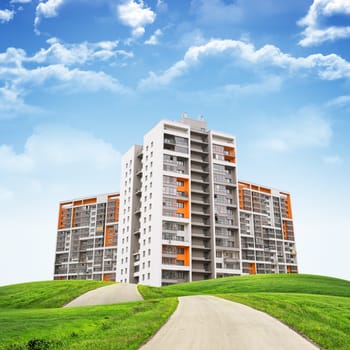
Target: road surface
115,293
210,323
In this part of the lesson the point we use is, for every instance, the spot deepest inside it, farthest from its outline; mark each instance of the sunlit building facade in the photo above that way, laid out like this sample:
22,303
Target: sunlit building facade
87,232
182,215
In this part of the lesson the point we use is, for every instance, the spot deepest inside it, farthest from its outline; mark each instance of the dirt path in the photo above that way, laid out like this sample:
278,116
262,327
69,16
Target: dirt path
115,293
210,323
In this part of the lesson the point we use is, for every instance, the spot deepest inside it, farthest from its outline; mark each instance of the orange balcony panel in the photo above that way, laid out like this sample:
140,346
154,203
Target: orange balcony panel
107,277
185,257
185,210
242,184
230,154
89,201
185,187
285,230
265,190
109,236
80,202
288,205
252,268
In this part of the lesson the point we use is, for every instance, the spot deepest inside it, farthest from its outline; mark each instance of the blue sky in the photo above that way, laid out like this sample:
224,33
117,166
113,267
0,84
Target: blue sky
81,81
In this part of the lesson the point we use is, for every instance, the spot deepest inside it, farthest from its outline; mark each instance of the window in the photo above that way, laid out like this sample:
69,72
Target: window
148,275
149,263
180,183
149,251
180,205
180,251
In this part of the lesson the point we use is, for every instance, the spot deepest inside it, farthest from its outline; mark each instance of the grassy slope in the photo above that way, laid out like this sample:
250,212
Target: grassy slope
46,294
105,327
322,312
324,319
296,283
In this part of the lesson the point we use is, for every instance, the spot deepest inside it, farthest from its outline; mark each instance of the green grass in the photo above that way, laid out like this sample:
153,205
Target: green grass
316,306
105,327
46,294
324,319
291,283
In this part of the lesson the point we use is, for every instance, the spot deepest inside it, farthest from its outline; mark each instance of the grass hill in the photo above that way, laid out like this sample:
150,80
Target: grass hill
283,283
31,317
45,294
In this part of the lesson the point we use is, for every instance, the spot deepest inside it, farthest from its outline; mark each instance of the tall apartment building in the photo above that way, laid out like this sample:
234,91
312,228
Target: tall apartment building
87,238
183,216
266,229
179,218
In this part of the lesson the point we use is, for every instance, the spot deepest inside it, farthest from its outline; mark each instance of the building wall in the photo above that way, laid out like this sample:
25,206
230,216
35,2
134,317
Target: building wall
87,232
267,233
183,216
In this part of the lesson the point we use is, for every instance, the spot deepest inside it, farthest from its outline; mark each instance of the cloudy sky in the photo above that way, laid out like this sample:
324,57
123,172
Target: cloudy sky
82,80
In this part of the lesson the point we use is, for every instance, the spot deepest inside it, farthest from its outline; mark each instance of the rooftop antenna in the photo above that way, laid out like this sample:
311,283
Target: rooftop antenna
201,118
184,115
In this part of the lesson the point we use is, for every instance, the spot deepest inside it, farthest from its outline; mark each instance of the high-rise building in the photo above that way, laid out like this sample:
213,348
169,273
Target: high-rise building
183,216
266,229
87,238
180,211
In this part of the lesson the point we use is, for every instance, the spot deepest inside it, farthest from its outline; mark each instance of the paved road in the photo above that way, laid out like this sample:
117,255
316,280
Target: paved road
210,323
115,293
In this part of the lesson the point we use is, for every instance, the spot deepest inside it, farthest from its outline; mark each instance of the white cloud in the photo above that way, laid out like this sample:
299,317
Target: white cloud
214,12
85,52
328,67
6,15
12,104
333,160
20,1
314,33
135,15
51,68
162,6
339,101
153,39
69,80
57,163
46,9
308,127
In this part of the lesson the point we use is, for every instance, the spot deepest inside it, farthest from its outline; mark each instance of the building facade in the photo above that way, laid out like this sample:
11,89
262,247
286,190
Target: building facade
183,216
266,229
87,232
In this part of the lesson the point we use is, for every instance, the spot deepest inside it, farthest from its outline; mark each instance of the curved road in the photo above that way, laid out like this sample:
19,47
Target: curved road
207,323
115,293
